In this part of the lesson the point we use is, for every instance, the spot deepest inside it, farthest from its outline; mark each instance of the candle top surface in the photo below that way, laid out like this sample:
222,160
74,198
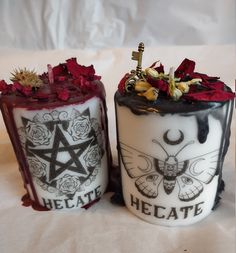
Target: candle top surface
66,83
180,90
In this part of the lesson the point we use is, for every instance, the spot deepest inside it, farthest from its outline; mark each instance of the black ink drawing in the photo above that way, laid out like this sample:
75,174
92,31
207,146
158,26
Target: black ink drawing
173,142
189,175
63,151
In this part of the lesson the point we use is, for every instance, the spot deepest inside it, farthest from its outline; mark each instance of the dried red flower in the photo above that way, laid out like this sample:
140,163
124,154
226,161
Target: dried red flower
186,68
86,85
79,70
160,69
159,84
210,96
59,70
217,85
205,78
121,85
4,87
27,91
63,94
24,90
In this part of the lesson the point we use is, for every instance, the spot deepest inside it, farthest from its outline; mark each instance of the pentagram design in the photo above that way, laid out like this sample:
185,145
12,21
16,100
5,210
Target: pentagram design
60,145
63,150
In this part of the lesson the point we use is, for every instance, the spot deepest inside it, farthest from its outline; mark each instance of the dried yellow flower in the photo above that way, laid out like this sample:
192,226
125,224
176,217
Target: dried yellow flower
152,73
195,81
176,94
26,78
151,94
183,87
141,86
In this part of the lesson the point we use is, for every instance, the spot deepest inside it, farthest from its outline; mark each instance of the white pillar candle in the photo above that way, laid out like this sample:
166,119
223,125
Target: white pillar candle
171,162
66,153
59,134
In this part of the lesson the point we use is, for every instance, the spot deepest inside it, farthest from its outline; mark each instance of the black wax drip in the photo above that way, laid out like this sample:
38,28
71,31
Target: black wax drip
203,126
221,187
225,141
141,106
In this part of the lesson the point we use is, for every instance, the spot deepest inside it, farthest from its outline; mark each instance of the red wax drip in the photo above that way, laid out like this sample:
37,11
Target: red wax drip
27,201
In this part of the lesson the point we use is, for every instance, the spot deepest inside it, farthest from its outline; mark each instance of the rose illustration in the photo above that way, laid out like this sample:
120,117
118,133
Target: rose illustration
92,177
68,184
38,133
80,127
98,131
93,156
96,126
37,168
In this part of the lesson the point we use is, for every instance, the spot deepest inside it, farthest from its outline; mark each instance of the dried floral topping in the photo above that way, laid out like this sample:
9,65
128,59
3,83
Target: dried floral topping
78,70
62,81
183,83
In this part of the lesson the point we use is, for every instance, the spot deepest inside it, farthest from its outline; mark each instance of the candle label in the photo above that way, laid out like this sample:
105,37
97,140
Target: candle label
64,150
152,175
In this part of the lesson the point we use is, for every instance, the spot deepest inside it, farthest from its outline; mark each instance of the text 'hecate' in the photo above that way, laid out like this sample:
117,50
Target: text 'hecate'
162,212
77,201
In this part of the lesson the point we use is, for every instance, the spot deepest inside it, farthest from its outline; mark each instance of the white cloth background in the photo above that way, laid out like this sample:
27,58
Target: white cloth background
35,33
62,24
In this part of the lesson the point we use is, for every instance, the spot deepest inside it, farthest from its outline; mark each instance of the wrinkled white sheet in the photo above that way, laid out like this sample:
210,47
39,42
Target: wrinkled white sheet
104,227
63,24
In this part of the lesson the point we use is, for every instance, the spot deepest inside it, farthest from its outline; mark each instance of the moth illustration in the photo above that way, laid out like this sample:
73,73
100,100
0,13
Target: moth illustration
150,172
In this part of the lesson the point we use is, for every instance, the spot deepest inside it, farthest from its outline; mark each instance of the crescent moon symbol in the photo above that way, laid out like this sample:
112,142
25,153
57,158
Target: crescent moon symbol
173,142
149,164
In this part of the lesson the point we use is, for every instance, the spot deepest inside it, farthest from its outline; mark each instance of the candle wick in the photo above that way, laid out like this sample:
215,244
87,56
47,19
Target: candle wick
50,74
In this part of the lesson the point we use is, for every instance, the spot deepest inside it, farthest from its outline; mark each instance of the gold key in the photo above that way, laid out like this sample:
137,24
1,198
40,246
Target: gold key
137,56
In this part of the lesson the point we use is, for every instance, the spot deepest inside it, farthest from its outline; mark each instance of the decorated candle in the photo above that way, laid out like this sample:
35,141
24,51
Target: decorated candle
58,127
171,161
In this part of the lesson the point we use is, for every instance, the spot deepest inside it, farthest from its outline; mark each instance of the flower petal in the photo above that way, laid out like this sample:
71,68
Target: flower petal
77,70
121,85
159,84
211,95
63,94
185,68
